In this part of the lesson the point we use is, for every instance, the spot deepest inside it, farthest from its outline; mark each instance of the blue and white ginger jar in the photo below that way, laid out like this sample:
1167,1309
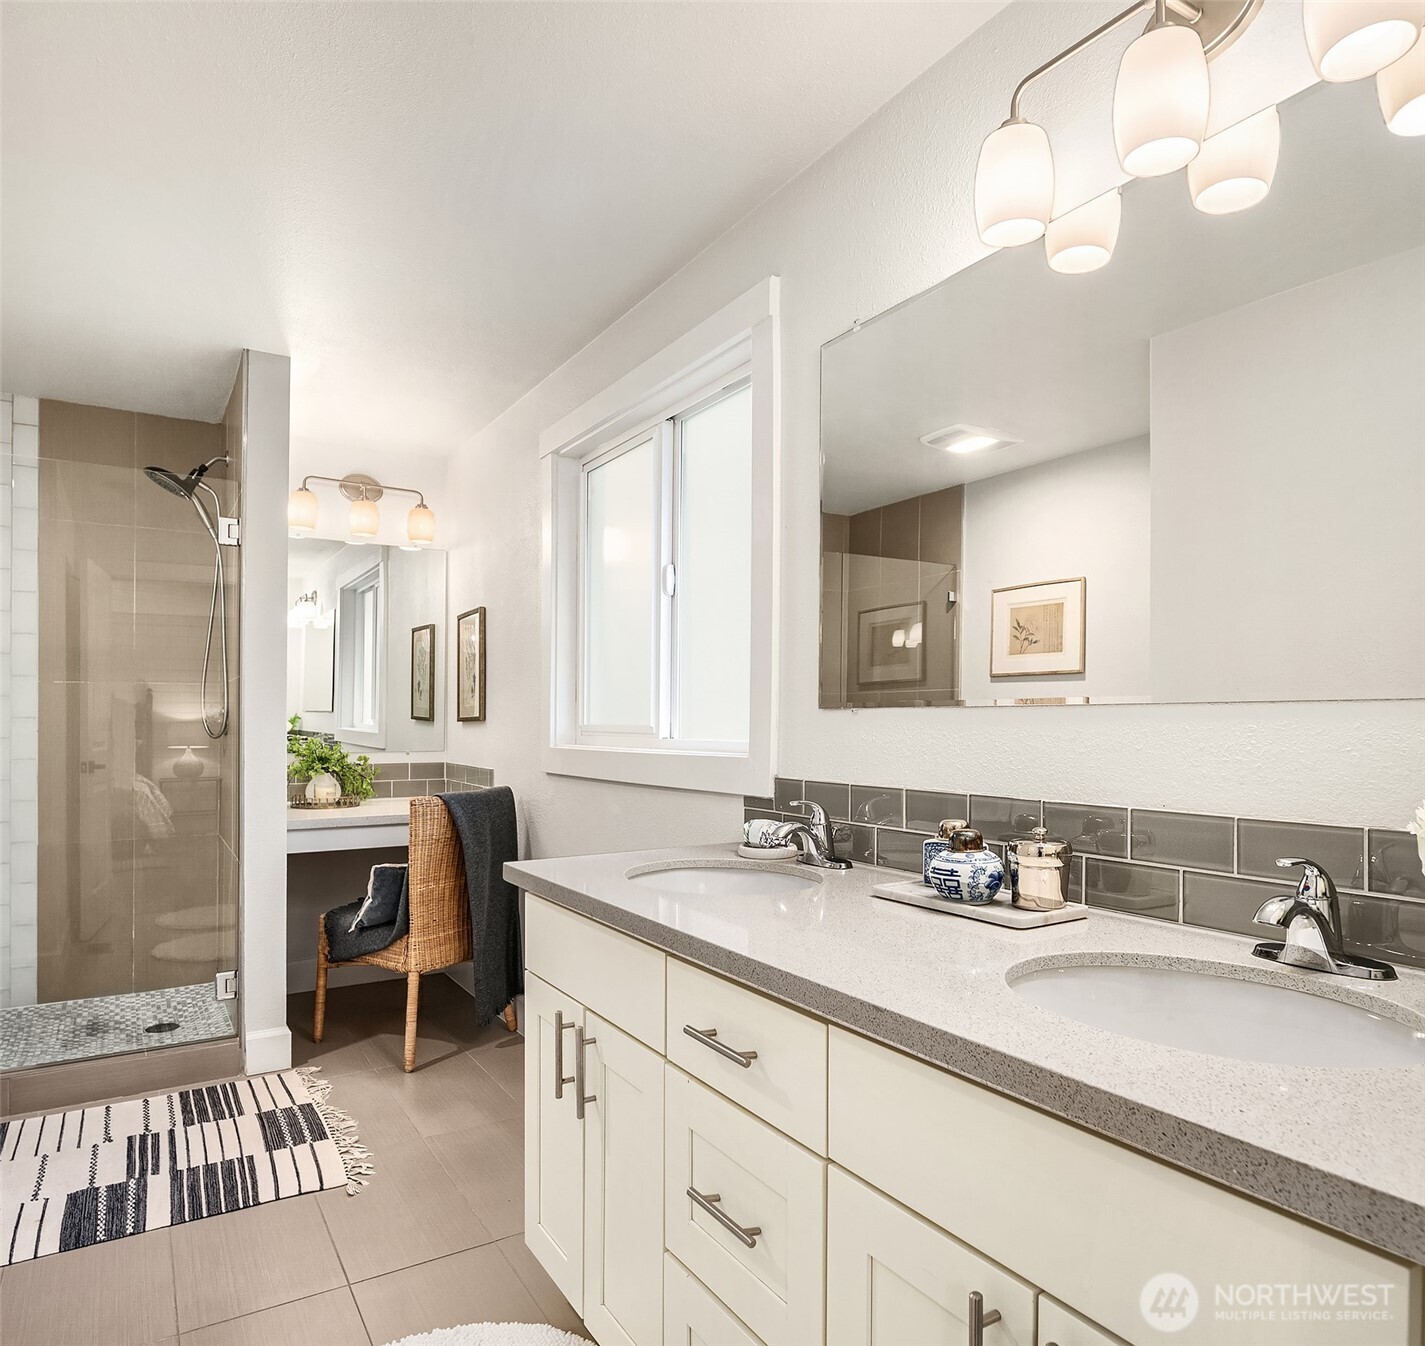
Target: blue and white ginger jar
968,871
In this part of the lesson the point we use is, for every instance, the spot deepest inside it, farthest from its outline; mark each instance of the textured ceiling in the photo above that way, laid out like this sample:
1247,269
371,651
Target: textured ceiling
428,206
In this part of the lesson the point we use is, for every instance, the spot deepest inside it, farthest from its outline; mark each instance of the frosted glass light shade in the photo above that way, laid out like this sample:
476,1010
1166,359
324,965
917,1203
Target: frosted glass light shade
1350,39
1160,102
1014,185
1401,90
1083,239
365,518
302,510
420,525
1236,166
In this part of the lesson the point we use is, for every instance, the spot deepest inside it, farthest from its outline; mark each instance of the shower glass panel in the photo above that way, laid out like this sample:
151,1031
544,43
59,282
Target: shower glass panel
132,912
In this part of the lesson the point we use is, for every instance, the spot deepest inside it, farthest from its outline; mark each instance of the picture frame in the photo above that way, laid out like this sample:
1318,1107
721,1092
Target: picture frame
890,645
1038,630
470,665
423,672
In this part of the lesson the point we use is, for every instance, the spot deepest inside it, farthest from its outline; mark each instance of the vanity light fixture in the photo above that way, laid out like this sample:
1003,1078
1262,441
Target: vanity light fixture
1160,100
1083,239
304,611
1014,184
365,520
1236,166
1350,39
967,439
1401,90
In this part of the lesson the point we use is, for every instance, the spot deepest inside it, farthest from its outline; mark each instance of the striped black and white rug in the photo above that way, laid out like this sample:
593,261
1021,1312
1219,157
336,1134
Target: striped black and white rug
70,1179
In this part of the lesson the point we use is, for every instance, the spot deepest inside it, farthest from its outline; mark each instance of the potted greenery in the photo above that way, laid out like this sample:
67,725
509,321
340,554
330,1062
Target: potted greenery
332,776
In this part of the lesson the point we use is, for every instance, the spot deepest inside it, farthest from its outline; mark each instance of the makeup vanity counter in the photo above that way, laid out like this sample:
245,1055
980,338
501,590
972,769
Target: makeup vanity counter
366,826
1342,1148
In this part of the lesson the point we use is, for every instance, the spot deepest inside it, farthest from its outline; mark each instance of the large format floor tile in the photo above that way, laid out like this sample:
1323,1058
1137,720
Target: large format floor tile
331,1319
487,1164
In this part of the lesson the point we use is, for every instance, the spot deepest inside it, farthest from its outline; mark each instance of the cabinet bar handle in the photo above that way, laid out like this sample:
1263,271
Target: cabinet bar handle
581,1099
979,1319
747,1237
708,1037
560,1078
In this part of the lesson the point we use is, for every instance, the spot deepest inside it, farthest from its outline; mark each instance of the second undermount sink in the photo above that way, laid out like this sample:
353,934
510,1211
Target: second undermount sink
725,880
1203,1011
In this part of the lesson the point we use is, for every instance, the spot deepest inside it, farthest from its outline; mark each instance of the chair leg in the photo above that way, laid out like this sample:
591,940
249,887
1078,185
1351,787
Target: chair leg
509,1016
319,1021
413,1000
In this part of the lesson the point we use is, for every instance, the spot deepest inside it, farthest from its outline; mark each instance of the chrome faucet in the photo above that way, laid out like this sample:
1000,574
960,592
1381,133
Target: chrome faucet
814,839
1311,917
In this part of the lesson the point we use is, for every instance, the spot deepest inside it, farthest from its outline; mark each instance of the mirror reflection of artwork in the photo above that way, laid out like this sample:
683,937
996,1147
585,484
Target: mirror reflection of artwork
423,672
891,645
470,665
1037,629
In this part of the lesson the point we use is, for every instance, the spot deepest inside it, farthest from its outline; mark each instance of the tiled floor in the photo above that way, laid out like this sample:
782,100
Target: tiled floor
436,1239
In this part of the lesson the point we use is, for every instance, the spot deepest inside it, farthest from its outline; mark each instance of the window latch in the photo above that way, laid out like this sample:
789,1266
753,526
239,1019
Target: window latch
670,580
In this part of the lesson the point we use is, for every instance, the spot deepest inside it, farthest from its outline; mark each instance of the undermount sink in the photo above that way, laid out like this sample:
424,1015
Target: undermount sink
725,880
1223,1016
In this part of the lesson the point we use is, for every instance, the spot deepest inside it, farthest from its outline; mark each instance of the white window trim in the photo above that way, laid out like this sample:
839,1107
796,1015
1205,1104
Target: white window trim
353,573
745,334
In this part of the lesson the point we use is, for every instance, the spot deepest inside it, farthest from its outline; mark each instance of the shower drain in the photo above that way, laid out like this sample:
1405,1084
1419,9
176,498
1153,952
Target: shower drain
166,1027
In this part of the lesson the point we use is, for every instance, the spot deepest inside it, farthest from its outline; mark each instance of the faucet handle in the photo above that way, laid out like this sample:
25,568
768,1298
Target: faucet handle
1315,885
818,814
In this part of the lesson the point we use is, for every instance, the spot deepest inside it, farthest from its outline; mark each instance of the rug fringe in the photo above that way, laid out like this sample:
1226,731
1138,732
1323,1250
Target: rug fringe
355,1157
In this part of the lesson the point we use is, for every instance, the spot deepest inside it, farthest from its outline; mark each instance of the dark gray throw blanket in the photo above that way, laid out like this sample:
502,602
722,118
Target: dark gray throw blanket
485,823
344,943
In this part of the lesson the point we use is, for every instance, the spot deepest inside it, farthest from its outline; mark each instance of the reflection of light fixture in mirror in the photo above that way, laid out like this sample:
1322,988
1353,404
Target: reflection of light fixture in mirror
914,636
1236,166
1014,185
1401,90
365,518
190,766
898,638
967,439
1350,39
1082,240
1160,101
302,511
304,610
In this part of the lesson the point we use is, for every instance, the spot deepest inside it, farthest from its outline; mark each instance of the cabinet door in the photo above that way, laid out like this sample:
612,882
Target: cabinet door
623,1187
1060,1327
894,1280
693,1315
553,1139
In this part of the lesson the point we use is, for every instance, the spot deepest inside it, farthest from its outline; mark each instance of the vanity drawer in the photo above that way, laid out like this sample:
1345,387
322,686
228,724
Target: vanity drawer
693,1315
786,1082
1059,1326
617,977
1050,1199
763,1181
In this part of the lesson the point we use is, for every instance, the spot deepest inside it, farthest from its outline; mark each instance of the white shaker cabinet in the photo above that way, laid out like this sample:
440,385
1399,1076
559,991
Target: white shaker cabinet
1059,1326
693,1315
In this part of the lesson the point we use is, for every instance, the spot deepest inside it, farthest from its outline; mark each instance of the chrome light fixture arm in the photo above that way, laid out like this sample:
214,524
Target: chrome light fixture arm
356,489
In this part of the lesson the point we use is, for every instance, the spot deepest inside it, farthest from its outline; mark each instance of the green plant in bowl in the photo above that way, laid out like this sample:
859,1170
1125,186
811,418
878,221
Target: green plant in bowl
309,755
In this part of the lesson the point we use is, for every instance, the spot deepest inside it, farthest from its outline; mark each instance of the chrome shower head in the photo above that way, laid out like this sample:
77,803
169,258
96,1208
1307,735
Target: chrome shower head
171,481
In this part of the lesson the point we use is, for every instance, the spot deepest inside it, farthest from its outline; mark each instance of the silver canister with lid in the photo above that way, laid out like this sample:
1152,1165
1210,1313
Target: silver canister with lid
1039,870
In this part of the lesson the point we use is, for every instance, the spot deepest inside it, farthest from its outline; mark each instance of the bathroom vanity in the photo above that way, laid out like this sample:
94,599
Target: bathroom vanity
763,1107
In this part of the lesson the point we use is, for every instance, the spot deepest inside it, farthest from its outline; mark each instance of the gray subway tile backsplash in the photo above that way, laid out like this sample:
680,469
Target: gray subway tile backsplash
1381,928
996,815
1138,890
900,850
1340,849
883,806
1088,828
1199,840
835,799
1221,902
786,791
925,810
855,842
1394,863
759,802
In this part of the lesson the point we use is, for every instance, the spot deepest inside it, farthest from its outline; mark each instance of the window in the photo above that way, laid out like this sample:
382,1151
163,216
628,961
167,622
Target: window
661,569
359,639
666,579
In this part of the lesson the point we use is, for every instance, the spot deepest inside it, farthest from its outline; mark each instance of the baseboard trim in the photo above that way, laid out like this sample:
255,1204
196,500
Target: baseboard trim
267,1049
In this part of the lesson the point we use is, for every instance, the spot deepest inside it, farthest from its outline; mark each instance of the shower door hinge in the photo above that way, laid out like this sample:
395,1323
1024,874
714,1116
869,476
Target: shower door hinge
229,531
225,986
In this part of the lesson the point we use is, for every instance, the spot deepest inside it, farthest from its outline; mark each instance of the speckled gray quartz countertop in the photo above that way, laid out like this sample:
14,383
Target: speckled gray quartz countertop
1345,1148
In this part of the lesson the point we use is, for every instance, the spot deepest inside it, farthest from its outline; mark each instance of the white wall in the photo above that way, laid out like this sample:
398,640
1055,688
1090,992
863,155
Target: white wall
882,217
1082,515
1316,406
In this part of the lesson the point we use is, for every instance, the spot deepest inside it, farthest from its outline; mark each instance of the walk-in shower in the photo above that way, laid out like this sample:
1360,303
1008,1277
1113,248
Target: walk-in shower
188,487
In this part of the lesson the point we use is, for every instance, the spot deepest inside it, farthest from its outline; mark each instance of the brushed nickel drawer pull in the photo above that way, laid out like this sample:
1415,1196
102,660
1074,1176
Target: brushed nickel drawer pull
979,1319
747,1237
560,1078
708,1037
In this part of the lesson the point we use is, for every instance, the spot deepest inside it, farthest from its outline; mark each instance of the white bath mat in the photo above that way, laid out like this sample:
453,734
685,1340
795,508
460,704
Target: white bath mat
72,1179
494,1334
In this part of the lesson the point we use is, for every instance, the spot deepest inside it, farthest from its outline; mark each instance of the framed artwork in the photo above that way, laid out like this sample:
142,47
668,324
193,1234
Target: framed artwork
470,665
1037,630
890,645
423,672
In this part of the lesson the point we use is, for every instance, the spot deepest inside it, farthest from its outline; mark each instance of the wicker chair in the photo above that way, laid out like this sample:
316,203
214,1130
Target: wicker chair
439,936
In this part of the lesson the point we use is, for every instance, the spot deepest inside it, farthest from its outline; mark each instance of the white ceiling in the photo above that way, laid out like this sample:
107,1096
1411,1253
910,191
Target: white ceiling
428,206
1061,362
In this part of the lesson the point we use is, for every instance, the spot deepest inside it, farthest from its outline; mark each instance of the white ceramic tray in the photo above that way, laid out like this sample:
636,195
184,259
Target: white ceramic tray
917,894
788,852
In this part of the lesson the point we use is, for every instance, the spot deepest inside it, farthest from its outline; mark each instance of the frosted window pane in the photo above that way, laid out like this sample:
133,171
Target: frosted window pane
714,618
619,565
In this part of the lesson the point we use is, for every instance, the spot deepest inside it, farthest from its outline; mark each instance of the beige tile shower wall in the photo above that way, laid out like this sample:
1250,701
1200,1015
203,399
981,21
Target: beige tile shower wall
19,725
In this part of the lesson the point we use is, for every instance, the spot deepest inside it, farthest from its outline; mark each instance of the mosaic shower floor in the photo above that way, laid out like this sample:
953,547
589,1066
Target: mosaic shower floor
72,1030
